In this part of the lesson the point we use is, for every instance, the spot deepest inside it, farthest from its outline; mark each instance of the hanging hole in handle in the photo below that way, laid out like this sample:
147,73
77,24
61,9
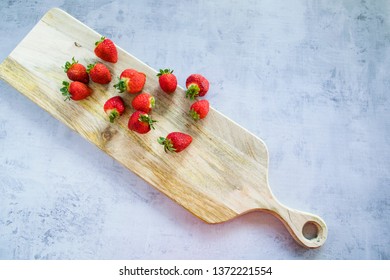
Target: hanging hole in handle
311,230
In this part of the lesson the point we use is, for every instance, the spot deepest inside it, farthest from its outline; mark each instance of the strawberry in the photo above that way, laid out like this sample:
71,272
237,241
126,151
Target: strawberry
141,122
99,73
106,50
131,80
143,102
175,142
76,71
199,109
114,107
197,85
167,80
75,90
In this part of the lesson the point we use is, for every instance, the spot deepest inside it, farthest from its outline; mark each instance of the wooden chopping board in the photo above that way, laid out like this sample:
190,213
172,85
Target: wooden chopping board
223,173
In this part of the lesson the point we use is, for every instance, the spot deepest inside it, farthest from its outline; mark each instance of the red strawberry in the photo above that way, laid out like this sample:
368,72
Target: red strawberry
76,71
175,142
75,90
143,102
114,107
99,73
167,80
140,122
199,109
197,85
106,50
131,80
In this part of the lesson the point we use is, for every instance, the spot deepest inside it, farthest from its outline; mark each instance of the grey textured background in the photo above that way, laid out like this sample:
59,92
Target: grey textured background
311,78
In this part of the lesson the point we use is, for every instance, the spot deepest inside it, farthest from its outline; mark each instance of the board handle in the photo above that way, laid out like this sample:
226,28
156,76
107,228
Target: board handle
308,229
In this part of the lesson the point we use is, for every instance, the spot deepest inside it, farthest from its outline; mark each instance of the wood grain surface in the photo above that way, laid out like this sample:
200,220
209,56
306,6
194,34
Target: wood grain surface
223,173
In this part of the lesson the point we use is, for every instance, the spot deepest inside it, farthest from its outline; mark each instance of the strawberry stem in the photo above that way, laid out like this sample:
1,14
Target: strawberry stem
65,91
168,146
90,67
121,85
192,91
101,40
152,102
113,115
69,64
147,119
164,71
194,114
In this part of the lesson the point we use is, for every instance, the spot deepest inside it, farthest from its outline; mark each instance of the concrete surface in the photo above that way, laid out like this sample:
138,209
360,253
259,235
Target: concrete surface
311,78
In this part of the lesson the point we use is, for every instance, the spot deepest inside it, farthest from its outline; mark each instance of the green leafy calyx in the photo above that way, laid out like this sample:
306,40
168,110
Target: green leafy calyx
152,102
192,91
113,115
145,118
167,143
69,64
101,40
90,67
65,90
164,71
194,114
121,85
